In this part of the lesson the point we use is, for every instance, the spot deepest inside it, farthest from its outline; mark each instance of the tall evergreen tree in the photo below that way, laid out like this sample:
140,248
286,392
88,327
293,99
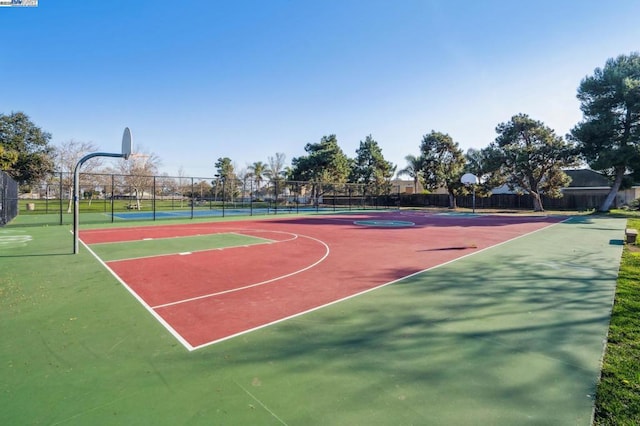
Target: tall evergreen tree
370,167
442,164
225,178
325,164
608,137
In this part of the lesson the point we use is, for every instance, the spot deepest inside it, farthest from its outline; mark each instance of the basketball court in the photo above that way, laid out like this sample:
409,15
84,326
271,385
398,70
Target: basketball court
279,269
404,317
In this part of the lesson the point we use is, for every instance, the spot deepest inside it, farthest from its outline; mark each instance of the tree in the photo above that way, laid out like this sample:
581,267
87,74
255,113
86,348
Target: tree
257,172
225,177
243,175
275,168
442,164
325,163
276,172
166,185
137,173
608,137
25,151
67,155
529,157
202,188
224,168
8,158
480,163
183,185
370,167
412,169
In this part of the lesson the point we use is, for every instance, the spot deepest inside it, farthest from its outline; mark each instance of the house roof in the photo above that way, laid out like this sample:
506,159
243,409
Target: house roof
581,178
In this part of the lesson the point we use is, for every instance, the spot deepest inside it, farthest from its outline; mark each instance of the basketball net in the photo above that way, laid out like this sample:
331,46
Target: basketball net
136,155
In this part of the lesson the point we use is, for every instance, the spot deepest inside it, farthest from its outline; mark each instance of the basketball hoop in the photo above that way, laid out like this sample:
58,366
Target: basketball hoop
125,153
471,179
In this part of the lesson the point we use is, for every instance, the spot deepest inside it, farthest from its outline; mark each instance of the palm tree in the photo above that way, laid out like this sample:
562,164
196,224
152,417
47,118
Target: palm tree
414,164
256,172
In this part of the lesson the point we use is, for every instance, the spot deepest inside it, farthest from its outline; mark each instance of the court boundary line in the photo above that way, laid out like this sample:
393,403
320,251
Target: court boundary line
263,405
157,316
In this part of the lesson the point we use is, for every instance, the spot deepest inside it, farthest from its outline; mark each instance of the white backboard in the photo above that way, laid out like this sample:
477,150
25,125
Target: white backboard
469,179
126,143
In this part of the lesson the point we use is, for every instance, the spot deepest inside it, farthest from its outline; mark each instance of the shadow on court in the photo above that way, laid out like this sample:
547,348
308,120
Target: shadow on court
511,335
507,336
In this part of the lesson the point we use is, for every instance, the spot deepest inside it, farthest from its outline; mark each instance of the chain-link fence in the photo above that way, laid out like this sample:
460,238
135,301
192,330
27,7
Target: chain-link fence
114,197
8,198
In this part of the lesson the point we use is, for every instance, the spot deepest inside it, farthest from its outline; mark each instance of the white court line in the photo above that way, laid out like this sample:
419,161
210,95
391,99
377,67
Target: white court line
261,403
161,320
205,296
151,256
138,240
264,241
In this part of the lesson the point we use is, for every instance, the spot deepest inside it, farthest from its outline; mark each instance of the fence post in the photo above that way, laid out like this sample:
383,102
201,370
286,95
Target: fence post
275,194
113,191
60,198
224,179
153,198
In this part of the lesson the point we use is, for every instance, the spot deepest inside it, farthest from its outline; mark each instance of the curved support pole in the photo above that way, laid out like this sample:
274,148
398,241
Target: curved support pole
76,190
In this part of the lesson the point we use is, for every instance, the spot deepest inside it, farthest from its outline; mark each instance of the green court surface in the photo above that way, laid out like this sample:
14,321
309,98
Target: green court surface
511,335
157,247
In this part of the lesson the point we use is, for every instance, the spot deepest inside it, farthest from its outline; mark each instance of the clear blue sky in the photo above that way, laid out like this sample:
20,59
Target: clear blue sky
202,79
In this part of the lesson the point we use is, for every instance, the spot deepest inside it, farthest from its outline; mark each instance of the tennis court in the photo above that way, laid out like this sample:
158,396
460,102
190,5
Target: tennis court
377,318
217,212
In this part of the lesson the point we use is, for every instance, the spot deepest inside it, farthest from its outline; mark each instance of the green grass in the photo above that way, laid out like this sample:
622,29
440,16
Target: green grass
104,206
53,206
618,395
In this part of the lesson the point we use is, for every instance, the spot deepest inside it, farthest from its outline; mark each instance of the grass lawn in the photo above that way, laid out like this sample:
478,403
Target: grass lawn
53,206
618,395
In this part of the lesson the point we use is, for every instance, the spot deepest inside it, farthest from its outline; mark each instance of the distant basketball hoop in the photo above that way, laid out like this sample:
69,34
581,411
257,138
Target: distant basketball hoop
469,179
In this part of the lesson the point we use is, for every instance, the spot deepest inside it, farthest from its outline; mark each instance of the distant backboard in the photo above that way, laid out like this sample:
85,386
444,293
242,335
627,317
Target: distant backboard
469,179
126,143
